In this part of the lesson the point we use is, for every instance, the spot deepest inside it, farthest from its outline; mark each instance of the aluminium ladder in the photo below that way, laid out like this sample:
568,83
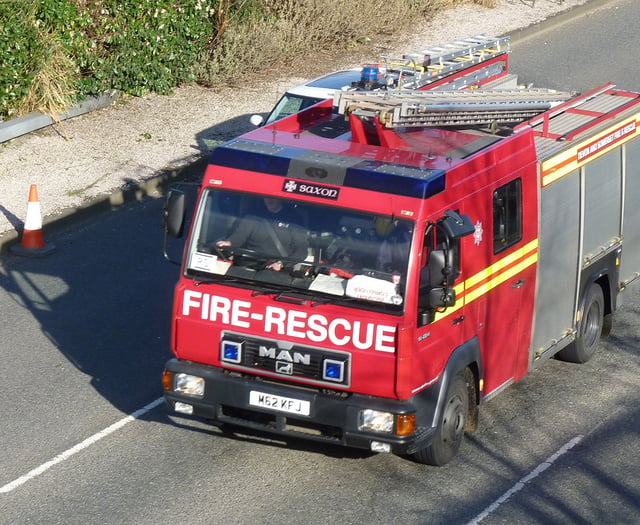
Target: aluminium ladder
449,108
420,68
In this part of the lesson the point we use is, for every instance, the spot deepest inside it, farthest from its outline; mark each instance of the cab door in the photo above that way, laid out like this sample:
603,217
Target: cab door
504,290
441,320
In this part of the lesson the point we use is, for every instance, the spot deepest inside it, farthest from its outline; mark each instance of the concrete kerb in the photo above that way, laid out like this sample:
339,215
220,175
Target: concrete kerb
156,185
17,127
521,35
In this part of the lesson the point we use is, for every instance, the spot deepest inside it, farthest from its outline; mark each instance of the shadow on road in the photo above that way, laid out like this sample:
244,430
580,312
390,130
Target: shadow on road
103,300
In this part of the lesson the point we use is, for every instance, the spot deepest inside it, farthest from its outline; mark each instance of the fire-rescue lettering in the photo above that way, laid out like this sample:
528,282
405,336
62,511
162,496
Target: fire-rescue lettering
292,323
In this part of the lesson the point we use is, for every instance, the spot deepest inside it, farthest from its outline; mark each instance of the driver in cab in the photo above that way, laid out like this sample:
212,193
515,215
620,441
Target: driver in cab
274,231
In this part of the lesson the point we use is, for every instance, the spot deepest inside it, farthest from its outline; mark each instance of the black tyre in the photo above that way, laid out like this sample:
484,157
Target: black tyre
590,329
451,427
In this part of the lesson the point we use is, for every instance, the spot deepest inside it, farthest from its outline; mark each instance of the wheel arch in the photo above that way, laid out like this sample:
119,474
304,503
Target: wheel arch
605,274
465,357
606,277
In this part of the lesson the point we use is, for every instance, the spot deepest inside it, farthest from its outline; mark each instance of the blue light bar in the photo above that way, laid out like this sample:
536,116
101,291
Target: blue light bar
396,178
340,170
264,158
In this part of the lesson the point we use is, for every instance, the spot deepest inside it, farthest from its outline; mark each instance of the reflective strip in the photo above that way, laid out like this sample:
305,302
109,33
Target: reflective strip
487,279
589,149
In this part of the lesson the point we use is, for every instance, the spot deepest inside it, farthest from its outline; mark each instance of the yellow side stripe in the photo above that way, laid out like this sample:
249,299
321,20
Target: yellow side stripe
502,263
492,276
500,278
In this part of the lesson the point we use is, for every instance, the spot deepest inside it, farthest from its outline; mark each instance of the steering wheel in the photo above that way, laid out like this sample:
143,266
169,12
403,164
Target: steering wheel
226,252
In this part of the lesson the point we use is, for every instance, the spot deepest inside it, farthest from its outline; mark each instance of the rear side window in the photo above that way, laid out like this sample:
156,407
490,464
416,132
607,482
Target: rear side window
507,215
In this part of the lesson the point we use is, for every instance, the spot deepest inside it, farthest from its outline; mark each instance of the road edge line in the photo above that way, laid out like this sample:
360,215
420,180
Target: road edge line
79,447
528,478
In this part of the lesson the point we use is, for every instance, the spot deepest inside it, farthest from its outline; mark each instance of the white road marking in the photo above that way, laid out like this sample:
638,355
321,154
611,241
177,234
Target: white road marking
529,477
80,446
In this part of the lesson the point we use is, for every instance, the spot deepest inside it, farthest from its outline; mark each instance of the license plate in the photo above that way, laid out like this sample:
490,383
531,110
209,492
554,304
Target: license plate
280,403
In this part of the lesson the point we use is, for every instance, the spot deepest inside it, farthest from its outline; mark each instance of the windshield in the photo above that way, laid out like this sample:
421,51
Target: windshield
290,104
278,245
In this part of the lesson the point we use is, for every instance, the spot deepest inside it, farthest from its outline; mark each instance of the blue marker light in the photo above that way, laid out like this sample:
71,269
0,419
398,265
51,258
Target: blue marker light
231,351
333,370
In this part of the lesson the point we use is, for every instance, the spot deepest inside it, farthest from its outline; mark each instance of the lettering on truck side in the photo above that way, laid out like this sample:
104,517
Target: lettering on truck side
613,137
292,323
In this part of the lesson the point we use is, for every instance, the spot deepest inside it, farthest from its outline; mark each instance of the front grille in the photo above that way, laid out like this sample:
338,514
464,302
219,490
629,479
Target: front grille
287,360
278,423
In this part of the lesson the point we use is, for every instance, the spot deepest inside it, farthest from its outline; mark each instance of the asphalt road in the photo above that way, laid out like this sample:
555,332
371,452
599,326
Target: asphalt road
597,46
84,335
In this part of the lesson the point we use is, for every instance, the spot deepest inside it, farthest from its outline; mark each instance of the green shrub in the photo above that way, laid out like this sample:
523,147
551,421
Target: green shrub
135,46
143,45
53,52
17,43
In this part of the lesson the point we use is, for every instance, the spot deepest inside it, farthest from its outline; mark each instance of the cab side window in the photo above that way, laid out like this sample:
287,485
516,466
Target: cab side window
507,215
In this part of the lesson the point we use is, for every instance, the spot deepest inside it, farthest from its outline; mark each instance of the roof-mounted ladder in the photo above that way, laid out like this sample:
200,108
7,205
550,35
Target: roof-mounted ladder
566,121
428,65
449,108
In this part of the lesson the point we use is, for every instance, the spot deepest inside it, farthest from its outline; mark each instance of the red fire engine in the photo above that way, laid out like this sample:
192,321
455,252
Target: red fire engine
451,243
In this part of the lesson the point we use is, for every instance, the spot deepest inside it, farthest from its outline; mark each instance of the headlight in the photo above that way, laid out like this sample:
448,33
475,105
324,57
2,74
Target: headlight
188,384
376,421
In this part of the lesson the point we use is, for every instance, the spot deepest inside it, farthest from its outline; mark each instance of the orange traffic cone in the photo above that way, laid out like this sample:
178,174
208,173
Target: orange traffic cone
32,244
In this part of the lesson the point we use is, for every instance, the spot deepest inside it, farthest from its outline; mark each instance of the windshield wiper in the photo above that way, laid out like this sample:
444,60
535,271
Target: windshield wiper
285,294
199,281
265,291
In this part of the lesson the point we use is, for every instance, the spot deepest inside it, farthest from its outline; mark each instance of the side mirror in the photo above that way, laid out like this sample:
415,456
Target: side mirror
440,268
441,277
256,120
442,297
455,225
174,213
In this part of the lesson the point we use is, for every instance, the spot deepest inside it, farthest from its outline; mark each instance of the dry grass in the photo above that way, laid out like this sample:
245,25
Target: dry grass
51,91
291,35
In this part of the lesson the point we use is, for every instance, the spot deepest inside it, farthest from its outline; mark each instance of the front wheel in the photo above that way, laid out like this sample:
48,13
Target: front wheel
589,330
450,431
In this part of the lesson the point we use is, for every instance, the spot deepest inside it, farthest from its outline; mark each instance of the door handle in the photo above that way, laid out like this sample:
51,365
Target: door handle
518,284
458,320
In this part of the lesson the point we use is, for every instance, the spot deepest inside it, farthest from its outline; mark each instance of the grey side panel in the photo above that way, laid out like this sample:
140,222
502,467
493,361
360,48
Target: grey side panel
602,204
630,265
558,261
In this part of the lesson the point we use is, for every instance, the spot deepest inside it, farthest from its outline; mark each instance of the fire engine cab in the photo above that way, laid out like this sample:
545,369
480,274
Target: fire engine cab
371,270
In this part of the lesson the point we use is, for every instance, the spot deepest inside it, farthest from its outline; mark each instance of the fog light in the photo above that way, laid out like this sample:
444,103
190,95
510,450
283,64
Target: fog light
231,351
183,408
333,370
189,385
376,446
376,421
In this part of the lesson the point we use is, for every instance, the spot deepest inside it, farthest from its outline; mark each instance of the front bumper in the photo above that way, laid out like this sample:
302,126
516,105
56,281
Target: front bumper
332,416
